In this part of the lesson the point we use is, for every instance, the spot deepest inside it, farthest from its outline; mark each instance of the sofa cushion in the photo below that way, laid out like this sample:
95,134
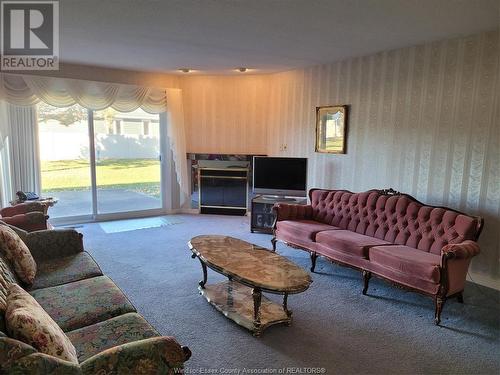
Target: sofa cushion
82,303
65,270
29,323
119,330
417,263
349,242
302,228
18,253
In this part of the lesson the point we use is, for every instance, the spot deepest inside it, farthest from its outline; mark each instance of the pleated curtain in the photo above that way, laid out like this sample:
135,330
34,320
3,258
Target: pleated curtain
64,92
23,150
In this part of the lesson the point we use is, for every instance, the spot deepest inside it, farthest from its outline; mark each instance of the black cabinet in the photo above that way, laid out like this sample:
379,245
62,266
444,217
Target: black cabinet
262,212
223,191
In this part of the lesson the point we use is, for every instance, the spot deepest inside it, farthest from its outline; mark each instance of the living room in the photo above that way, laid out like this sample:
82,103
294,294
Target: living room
250,187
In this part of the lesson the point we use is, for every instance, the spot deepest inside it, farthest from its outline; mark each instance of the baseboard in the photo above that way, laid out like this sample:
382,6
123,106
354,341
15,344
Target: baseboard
186,211
483,280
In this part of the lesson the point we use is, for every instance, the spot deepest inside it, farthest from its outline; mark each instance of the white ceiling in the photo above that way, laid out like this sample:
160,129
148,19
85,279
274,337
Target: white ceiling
215,36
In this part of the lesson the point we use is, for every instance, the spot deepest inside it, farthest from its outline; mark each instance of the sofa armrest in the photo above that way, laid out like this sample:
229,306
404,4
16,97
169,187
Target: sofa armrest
463,250
286,211
157,355
22,208
30,221
17,357
58,243
40,363
455,261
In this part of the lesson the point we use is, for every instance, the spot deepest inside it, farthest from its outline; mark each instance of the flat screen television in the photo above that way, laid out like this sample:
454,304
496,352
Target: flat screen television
280,176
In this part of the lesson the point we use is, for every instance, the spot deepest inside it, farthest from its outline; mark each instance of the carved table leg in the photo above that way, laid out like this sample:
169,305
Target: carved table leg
366,280
229,292
257,297
204,268
285,305
314,256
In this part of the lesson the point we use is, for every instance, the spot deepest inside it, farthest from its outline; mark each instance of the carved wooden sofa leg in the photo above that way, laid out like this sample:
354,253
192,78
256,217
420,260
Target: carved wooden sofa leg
439,301
314,256
273,242
366,279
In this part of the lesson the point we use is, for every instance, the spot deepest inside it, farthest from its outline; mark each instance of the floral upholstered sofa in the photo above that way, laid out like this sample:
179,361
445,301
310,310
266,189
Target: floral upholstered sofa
108,335
385,233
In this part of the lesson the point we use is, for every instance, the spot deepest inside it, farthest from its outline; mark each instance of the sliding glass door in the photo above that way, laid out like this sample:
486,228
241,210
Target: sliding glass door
65,159
100,164
127,158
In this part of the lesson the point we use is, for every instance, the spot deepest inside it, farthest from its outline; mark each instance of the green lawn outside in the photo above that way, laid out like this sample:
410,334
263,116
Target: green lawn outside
140,175
334,144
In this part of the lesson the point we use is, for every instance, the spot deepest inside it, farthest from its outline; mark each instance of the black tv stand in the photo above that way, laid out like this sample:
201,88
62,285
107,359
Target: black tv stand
262,211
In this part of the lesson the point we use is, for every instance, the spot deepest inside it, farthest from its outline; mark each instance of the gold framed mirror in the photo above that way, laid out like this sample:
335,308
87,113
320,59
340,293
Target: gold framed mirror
331,129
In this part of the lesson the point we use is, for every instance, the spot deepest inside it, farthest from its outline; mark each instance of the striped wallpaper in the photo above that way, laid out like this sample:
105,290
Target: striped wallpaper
424,120
224,114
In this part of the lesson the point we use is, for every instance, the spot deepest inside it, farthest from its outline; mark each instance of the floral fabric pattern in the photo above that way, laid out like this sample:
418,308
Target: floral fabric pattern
7,277
122,329
51,244
11,350
83,302
5,283
158,355
28,322
34,363
18,253
21,233
65,270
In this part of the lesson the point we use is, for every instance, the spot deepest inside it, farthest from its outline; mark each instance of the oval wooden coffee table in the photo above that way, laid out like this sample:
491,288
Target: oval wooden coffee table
250,270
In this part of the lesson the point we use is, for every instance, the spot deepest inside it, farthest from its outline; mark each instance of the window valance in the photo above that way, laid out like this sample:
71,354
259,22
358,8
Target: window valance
28,90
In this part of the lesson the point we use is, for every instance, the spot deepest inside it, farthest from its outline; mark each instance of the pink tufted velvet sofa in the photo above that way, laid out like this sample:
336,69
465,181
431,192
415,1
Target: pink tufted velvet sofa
384,233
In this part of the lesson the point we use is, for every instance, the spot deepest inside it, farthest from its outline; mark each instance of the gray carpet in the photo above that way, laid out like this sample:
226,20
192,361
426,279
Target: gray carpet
335,327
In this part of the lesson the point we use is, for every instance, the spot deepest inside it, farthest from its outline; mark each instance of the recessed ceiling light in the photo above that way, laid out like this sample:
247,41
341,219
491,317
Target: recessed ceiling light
184,70
241,69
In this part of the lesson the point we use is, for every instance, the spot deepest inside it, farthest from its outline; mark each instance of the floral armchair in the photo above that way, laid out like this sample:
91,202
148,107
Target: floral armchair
29,216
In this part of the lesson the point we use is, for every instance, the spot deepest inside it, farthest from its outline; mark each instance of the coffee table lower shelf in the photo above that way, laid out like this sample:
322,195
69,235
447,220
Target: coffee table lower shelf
236,302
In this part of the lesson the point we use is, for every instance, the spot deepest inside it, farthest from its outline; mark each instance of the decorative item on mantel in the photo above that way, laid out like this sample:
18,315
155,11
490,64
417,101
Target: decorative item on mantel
331,129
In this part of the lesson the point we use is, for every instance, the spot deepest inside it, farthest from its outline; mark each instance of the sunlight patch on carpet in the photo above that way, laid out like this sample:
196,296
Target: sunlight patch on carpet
136,224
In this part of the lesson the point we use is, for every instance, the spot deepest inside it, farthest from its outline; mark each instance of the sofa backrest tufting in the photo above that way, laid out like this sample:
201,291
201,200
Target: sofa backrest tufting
399,219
